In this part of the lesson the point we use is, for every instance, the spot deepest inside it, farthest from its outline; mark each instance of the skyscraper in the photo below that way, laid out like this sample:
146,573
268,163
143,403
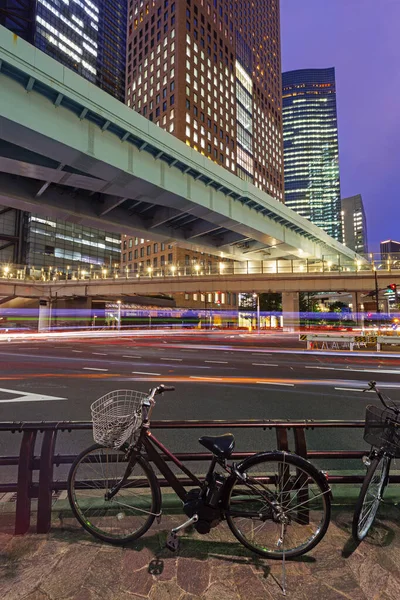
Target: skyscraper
89,37
208,71
311,149
354,224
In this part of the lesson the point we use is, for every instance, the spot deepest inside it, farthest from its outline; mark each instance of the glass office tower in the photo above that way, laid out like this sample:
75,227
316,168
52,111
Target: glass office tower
311,149
354,224
89,37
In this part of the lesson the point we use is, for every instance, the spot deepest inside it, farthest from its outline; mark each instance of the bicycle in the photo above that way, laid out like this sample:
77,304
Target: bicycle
276,503
382,431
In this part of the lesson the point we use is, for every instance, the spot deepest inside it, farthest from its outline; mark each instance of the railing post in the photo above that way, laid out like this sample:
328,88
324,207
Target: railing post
300,447
300,444
43,522
282,439
24,484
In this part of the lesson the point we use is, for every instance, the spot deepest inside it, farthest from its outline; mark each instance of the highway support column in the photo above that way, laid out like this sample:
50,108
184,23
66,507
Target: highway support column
290,311
44,321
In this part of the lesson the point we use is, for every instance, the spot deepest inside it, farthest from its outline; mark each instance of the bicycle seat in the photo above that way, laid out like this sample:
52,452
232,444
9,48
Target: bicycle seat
220,445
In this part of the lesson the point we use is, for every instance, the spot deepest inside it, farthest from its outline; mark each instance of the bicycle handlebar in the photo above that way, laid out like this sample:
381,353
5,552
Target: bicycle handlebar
372,386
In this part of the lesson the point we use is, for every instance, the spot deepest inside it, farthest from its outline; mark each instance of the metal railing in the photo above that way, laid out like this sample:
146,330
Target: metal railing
327,265
29,464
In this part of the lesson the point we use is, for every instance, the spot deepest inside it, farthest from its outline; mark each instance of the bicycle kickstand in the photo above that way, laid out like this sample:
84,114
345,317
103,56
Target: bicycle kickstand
172,542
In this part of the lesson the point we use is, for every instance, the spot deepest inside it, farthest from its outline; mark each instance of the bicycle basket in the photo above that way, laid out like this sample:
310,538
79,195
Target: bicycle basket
116,417
382,429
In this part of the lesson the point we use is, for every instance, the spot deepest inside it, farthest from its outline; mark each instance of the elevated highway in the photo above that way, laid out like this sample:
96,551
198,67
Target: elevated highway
69,150
347,281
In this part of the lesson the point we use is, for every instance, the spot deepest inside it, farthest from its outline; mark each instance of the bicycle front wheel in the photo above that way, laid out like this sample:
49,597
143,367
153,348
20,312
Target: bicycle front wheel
280,506
370,496
130,512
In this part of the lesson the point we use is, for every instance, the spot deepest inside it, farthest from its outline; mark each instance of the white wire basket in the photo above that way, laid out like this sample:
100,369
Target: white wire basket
117,416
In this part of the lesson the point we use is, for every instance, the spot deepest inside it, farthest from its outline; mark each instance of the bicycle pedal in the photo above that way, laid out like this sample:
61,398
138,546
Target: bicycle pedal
172,542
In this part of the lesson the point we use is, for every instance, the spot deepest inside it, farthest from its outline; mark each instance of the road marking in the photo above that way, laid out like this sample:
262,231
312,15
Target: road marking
130,356
144,373
100,353
93,369
217,362
264,365
176,359
206,378
348,390
27,397
275,383
382,371
80,351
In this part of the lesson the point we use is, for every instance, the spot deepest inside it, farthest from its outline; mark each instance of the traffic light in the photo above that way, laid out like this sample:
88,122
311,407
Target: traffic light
393,287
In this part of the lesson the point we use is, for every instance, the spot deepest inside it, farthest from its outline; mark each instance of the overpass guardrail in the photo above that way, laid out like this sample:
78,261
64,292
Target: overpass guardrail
327,265
35,471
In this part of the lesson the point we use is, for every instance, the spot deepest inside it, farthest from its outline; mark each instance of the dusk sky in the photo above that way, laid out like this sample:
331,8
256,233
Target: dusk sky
360,38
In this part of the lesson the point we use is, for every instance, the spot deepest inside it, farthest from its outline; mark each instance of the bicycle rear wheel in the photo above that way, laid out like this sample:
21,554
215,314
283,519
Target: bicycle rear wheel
370,496
281,506
132,510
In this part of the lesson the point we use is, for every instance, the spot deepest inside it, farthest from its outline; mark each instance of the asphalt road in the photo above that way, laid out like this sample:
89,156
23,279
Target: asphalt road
217,376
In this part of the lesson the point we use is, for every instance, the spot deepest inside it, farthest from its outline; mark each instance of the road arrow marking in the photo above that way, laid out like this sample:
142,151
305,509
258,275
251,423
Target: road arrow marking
27,396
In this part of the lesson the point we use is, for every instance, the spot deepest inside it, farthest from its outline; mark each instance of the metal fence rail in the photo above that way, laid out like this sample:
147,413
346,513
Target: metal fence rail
42,490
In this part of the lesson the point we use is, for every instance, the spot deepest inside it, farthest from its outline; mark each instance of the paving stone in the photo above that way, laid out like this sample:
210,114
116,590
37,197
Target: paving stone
105,572
137,582
134,560
219,591
68,579
36,595
193,576
249,585
165,590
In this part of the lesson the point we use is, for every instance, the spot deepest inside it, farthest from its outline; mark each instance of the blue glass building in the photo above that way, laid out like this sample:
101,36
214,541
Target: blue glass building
311,149
88,36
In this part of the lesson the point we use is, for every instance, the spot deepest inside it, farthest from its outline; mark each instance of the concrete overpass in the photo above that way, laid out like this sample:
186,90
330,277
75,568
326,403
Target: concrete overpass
69,150
359,281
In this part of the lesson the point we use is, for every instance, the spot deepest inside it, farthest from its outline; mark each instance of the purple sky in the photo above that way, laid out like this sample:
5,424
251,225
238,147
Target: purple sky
360,38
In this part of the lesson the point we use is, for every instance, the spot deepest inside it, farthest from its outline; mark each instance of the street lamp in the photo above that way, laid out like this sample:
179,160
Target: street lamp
258,311
197,268
119,313
173,269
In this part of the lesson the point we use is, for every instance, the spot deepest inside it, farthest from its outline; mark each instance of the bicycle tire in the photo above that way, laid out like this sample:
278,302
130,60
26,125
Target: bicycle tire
365,510
122,519
305,477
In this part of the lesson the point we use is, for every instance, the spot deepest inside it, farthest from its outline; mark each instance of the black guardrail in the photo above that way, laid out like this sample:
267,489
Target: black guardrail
27,489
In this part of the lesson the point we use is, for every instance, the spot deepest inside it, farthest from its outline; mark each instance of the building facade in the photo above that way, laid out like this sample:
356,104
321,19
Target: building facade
354,224
146,257
389,248
89,37
311,148
208,71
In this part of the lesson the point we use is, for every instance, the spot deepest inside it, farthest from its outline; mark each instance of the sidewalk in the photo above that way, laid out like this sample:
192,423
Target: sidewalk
68,564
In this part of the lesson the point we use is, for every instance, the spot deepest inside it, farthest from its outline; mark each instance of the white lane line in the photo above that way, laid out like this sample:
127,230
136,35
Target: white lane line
93,369
144,373
217,362
27,397
130,356
100,353
382,371
275,383
206,378
264,365
79,351
349,390
176,359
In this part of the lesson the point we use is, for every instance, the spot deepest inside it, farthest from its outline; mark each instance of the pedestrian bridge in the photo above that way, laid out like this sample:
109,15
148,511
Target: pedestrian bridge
266,276
69,150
